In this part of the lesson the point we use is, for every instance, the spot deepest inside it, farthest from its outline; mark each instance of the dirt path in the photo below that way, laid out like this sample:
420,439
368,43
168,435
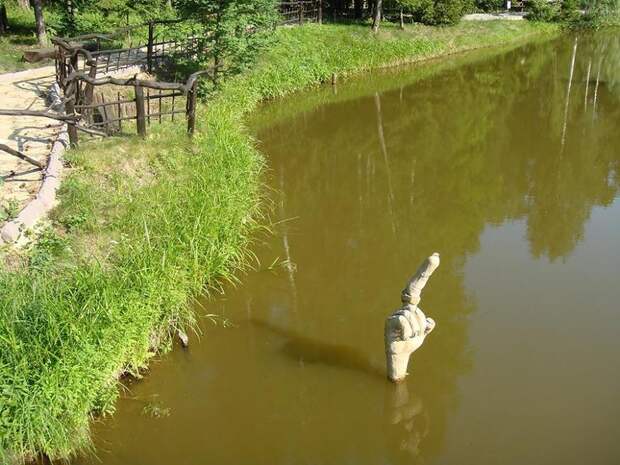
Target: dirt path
514,16
20,181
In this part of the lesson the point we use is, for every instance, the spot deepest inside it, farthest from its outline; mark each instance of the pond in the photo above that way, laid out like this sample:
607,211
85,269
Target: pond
507,163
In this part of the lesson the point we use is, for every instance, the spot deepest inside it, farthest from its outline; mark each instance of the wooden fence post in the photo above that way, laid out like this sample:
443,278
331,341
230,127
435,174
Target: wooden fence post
119,110
320,11
71,92
140,117
89,92
149,49
74,62
301,12
58,58
191,108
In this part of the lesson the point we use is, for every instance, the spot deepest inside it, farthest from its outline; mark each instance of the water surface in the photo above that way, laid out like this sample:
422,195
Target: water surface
507,163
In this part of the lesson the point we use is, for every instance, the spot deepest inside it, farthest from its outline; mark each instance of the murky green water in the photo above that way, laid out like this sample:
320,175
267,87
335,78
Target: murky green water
504,162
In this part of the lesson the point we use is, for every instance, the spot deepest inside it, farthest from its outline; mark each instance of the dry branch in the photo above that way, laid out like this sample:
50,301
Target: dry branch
91,131
42,114
22,156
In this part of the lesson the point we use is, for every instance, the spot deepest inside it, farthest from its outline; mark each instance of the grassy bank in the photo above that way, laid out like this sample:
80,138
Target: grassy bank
379,80
144,226
19,38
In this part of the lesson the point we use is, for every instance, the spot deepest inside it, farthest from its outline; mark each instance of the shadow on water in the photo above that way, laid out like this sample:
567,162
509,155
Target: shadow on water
306,350
407,421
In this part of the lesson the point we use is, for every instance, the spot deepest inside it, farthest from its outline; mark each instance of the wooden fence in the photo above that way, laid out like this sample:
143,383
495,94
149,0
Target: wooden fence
301,11
137,100
103,105
107,115
149,54
84,64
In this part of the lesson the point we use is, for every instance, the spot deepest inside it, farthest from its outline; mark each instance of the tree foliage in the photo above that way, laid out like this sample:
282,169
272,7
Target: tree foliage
237,30
4,22
602,12
490,5
83,16
542,10
438,12
576,13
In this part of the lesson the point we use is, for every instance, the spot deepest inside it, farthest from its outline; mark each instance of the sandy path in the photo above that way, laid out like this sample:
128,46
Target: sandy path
33,136
514,16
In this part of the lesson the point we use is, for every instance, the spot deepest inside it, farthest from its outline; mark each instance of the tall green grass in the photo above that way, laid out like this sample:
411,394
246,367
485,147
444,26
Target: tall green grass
99,302
144,226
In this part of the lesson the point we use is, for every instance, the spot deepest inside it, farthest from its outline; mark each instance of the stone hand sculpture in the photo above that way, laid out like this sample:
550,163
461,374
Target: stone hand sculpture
407,327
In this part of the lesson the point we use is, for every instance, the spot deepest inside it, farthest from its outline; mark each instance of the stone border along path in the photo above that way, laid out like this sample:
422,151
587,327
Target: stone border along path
30,191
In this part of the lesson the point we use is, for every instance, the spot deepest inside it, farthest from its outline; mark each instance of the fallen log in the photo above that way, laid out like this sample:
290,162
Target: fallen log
40,54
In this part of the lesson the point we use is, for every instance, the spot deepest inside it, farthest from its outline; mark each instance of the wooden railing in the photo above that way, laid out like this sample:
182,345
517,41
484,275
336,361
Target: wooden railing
136,100
80,72
86,62
149,54
301,11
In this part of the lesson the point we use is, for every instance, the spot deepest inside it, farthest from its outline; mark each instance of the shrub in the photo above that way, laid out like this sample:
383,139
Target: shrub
239,29
449,11
490,5
570,11
602,13
438,12
93,21
542,10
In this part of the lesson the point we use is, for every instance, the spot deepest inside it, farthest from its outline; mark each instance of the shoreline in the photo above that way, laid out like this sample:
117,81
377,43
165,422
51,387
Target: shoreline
144,226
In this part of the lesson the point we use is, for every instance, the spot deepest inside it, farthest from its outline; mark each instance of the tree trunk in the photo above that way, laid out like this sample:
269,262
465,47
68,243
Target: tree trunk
217,44
358,7
71,15
40,22
4,22
24,4
377,16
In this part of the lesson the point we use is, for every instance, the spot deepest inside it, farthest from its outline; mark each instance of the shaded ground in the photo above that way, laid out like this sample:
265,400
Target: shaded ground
12,48
19,38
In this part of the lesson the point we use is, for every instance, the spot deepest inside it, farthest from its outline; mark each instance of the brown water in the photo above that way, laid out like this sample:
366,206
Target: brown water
500,162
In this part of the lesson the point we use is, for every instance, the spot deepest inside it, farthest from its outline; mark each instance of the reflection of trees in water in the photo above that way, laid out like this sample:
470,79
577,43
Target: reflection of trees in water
565,186
380,182
608,45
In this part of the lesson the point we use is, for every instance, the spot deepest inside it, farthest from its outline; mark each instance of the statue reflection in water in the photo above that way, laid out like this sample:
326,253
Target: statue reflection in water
408,421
